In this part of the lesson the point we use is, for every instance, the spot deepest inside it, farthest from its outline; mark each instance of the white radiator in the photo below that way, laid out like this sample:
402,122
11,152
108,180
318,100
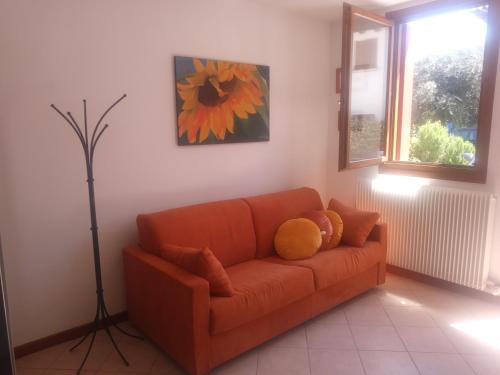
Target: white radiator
440,232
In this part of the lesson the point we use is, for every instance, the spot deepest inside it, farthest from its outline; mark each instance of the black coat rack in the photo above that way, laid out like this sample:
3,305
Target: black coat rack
102,318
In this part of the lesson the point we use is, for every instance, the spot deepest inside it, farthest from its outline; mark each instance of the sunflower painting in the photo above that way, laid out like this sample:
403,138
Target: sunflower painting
221,101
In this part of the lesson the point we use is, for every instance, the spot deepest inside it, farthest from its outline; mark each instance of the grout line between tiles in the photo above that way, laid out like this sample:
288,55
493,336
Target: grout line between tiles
468,364
259,349
402,341
453,344
356,346
308,350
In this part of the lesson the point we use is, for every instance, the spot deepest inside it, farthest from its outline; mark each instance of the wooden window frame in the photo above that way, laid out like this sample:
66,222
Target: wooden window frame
477,173
349,11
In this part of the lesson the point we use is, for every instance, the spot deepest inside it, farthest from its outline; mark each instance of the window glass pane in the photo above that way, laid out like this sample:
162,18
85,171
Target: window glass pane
442,84
368,101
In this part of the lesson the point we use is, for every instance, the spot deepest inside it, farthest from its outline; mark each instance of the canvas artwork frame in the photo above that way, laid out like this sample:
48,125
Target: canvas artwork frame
219,101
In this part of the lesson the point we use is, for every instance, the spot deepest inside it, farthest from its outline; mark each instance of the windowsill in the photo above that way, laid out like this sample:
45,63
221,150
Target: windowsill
441,172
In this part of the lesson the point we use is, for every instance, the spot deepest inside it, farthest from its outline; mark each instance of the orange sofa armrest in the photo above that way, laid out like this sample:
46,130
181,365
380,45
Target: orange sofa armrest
170,305
379,234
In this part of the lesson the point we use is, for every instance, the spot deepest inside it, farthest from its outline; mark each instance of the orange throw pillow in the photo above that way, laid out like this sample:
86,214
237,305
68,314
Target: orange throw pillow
297,239
357,224
337,227
201,262
324,224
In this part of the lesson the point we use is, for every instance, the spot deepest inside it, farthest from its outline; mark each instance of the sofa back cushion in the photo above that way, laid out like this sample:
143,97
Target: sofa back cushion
271,210
226,227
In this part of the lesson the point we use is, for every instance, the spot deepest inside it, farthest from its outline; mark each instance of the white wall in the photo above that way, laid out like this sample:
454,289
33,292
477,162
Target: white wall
60,51
343,184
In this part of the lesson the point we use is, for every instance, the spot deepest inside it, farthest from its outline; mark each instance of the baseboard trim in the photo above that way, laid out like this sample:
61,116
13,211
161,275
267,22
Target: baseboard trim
60,337
443,284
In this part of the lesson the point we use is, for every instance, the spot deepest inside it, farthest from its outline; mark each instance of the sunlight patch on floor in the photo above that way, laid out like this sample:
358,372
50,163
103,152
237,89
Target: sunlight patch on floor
485,331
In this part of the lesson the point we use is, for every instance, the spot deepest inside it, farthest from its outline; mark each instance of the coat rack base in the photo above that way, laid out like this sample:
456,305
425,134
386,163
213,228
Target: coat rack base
103,321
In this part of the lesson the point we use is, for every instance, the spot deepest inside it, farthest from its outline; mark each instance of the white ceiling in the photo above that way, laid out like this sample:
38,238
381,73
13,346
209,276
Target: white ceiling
331,9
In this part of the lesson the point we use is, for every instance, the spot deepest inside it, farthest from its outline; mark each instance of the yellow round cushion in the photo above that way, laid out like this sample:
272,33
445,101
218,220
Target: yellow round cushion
297,239
338,228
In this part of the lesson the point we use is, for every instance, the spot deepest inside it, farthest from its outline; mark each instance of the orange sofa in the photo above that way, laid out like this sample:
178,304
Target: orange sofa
175,310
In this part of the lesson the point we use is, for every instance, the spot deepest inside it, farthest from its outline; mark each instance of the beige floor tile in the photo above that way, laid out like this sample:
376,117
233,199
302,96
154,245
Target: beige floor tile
377,338
474,342
118,336
163,365
245,364
101,350
283,361
410,316
441,364
296,338
397,297
483,364
369,297
444,316
329,336
338,362
141,358
440,298
123,338
335,317
42,359
388,363
397,282
367,314
447,317
425,339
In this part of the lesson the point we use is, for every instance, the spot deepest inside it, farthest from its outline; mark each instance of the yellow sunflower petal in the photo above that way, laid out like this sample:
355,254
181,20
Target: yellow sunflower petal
211,70
213,121
224,71
243,103
221,123
182,122
229,117
239,110
198,65
197,79
204,132
191,94
190,104
250,95
191,135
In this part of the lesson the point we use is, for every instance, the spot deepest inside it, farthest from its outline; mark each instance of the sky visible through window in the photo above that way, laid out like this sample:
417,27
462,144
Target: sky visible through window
447,33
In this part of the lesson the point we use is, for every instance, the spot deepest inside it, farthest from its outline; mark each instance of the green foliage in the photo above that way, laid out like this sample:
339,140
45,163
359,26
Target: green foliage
430,142
433,144
367,137
454,151
447,88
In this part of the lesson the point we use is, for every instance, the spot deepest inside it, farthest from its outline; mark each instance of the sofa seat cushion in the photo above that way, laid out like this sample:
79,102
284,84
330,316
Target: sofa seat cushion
331,266
260,288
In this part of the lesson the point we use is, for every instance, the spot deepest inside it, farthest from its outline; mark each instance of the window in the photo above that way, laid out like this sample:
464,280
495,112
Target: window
366,92
419,89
